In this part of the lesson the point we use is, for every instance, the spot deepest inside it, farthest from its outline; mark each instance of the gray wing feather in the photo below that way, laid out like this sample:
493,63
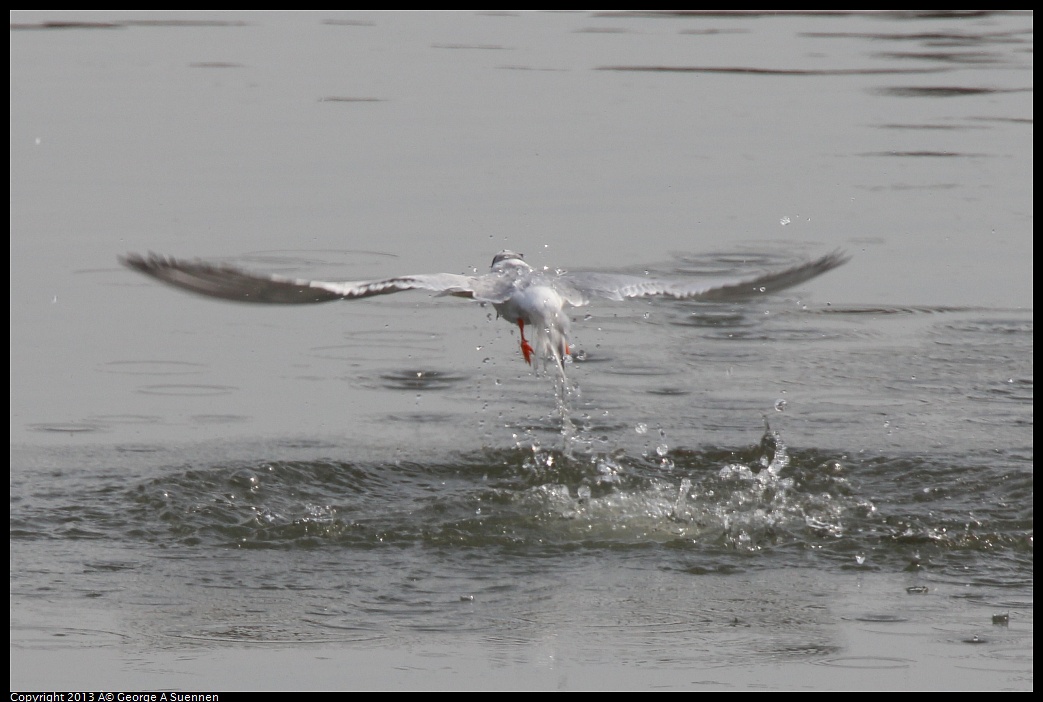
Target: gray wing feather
231,283
580,287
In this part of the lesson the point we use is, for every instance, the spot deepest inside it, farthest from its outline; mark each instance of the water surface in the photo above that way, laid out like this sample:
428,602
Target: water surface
830,488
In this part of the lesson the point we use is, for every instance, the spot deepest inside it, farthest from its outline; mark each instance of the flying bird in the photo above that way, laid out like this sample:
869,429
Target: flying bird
521,294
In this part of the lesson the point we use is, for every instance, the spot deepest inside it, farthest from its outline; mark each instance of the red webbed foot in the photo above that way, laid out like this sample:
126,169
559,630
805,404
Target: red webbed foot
526,347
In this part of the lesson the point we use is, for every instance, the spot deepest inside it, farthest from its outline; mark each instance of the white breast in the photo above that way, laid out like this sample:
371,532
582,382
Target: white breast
538,305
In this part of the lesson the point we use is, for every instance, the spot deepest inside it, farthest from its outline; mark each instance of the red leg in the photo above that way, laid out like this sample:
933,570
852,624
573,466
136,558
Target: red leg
525,346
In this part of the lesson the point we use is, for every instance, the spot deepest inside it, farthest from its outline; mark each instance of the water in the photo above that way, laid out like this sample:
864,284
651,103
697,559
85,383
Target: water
830,488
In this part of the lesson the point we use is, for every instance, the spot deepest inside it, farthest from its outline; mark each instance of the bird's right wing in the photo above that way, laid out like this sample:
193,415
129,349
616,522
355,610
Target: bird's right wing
230,283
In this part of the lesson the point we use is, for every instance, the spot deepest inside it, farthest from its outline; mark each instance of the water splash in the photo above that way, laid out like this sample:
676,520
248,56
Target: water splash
756,500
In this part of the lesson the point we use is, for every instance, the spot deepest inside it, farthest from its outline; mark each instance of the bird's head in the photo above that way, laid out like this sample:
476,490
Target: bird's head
508,259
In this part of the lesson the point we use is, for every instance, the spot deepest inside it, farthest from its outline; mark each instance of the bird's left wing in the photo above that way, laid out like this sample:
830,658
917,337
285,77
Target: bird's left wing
578,288
230,283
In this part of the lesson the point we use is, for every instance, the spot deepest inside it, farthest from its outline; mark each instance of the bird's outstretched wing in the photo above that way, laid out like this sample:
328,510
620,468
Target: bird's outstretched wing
578,288
231,283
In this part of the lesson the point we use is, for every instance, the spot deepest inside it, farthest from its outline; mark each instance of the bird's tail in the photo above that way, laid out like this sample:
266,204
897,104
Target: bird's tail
552,342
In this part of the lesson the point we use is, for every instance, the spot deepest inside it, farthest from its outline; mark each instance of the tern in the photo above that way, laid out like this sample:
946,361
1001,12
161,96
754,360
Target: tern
521,294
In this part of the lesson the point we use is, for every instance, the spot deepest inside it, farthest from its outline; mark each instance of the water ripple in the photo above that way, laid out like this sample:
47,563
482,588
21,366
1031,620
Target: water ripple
712,504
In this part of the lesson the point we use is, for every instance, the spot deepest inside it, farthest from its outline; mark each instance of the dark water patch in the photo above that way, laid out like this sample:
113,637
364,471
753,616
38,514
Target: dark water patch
304,443
756,70
715,318
932,38
415,380
423,417
881,618
139,448
207,419
1005,390
111,566
1005,120
64,25
942,91
67,427
886,14
712,31
988,329
924,154
957,57
668,391
810,650
263,633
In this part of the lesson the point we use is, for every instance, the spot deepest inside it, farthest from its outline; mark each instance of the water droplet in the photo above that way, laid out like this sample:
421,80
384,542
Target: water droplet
784,221
780,405
860,558
641,428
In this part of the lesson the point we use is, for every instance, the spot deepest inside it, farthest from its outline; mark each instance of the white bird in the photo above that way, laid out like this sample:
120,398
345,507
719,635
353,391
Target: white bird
520,294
